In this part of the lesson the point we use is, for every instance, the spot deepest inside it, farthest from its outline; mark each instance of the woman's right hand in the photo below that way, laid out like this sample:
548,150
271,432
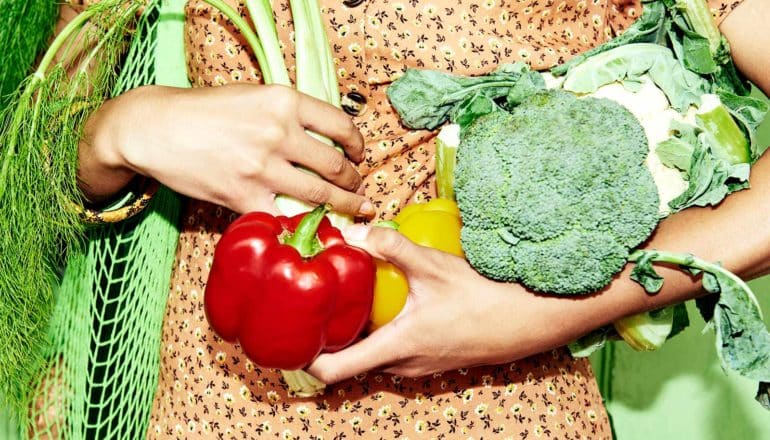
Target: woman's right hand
233,145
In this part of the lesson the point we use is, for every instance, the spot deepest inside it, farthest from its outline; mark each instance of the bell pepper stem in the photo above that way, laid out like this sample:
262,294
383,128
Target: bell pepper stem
390,224
304,237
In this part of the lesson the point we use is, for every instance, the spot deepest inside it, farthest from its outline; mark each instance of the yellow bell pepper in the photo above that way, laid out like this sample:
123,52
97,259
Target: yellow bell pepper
435,224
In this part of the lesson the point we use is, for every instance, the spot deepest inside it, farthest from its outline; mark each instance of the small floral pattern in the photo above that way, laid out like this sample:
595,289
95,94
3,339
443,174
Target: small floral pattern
208,389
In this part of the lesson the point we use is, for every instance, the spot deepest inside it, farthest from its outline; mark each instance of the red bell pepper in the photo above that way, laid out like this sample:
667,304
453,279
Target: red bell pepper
288,288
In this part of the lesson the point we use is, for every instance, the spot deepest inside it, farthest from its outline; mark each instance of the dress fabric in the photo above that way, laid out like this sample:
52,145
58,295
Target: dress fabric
208,389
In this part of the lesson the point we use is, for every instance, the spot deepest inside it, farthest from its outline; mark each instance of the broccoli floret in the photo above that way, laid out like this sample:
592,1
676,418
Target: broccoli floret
554,193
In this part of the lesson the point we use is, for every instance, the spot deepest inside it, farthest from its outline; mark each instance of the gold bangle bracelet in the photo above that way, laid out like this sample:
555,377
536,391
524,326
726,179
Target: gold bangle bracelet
134,206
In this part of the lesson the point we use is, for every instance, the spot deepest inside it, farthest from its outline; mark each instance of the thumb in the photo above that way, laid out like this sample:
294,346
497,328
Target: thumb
384,243
376,350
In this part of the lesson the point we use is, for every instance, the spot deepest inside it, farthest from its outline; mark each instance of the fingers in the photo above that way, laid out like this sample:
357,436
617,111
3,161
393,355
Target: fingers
325,160
327,120
388,244
380,348
293,182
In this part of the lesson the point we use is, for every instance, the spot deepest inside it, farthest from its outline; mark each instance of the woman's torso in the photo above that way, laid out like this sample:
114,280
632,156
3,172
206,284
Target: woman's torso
208,389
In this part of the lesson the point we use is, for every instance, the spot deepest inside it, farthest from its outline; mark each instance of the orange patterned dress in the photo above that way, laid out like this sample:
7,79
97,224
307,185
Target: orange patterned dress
208,389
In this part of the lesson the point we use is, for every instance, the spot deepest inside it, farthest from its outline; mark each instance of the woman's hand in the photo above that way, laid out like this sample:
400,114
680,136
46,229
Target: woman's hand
453,317
233,145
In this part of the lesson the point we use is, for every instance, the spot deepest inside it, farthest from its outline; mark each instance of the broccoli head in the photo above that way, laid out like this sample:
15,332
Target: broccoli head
554,193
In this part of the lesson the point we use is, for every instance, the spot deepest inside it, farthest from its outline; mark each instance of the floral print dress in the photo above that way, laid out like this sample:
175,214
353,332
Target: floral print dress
208,389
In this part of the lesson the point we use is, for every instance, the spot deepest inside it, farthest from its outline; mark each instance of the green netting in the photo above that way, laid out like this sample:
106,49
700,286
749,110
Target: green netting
103,361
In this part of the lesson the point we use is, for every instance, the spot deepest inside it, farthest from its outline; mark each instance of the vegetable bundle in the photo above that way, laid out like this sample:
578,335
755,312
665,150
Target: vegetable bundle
561,175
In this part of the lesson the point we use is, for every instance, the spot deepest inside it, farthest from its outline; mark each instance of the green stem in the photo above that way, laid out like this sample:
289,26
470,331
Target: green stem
460,94
69,31
304,237
251,37
262,15
324,51
446,158
390,224
698,15
688,260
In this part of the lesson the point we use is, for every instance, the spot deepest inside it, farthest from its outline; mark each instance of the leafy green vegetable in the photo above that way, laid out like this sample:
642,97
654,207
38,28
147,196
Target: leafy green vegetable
559,217
710,180
27,26
651,27
425,99
682,87
749,112
742,342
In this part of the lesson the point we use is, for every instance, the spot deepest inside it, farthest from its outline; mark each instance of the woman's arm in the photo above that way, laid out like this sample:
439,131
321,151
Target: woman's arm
456,318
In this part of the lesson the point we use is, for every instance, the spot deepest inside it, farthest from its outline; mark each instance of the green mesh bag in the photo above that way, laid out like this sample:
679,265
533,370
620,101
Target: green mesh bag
103,357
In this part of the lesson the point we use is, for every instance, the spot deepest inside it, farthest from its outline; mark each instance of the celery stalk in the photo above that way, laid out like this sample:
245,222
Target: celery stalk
315,74
262,15
324,51
698,16
251,37
310,78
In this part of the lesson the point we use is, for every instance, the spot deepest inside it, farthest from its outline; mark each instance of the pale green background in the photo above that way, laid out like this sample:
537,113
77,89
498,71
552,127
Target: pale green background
680,392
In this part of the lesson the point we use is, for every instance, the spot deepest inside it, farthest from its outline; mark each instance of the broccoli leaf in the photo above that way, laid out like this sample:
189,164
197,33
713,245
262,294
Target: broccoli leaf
644,274
681,86
681,320
649,28
742,339
471,108
710,179
425,99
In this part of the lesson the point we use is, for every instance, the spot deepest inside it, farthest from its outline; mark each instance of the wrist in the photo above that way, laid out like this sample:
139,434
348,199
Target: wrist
103,166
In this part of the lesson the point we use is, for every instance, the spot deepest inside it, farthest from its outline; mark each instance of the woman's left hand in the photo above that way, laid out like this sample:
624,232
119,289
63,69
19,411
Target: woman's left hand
453,317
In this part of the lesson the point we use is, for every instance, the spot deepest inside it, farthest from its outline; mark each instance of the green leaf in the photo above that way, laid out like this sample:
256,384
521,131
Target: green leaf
749,112
590,343
471,108
763,395
529,84
644,274
649,28
695,49
425,99
709,179
675,153
681,86
681,320
743,341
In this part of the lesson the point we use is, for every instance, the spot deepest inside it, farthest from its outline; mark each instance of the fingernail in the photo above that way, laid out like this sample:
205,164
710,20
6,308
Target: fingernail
366,209
355,233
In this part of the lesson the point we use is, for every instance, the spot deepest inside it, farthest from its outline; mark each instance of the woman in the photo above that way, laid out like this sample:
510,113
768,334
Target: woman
549,394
